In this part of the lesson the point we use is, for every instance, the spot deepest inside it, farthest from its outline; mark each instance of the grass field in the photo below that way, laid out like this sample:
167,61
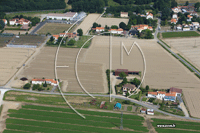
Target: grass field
181,126
180,34
53,28
112,3
50,119
190,1
80,42
4,40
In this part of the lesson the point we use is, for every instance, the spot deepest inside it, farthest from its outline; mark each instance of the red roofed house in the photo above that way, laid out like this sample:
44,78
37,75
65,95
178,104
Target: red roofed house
116,31
178,91
173,21
189,18
124,14
99,29
171,96
42,81
142,27
5,21
149,15
56,37
21,21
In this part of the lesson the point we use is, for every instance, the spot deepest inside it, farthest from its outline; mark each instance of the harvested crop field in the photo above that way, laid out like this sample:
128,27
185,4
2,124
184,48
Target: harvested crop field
53,28
33,118
163,70
28,40
180,34
111,21
87,23
188,47
12,59
91,75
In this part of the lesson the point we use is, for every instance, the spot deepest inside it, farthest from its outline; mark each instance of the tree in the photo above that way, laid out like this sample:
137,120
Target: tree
127,94
197,5
122,75
136,82
45,84
95,25
51,39
40,89
173,4
148,34
122,25
2,24
35,86
125,81
27,86
80,32
147,88
114,27
186,3
71,42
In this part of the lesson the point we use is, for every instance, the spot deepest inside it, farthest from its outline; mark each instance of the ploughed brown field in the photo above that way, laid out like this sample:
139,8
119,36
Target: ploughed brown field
11,60
111,21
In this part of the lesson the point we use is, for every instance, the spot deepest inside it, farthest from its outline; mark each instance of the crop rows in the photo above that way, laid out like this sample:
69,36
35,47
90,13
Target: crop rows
162,130
176,122
44,125
125,116
13,131
111,123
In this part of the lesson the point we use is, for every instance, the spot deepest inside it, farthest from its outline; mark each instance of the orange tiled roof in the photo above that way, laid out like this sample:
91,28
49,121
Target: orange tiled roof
173,20
100,28
171,94
153,93
161,92
189,16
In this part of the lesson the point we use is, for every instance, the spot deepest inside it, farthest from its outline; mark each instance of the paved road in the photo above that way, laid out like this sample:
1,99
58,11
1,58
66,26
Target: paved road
39,25
101,95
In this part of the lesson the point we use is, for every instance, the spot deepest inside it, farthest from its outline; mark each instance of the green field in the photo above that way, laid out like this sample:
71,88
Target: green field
80,42
180,34
57,120
181,126
112,3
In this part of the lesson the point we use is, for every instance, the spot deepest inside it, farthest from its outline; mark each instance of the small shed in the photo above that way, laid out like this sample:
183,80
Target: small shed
143,111
118,106
150,112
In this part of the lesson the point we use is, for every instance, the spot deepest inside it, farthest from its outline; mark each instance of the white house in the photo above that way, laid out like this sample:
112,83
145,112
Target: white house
176,9
150,112
61,16
149,15
124,14
42,81
179,27
171,96
195,24
5,21
116,31
186,29
174,21
189,18
21,21
175,16
100,29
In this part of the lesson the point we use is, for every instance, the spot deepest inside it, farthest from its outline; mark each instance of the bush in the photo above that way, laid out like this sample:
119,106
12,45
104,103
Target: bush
71,42
27,86
35,86
126,102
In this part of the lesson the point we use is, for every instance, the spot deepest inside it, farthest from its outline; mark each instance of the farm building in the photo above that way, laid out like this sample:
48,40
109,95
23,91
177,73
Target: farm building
126,71
143,111
150,112
178,91
62,16
124,14
42,81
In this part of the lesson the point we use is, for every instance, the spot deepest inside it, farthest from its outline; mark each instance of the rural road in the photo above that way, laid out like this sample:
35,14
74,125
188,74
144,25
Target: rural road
39,25
101,95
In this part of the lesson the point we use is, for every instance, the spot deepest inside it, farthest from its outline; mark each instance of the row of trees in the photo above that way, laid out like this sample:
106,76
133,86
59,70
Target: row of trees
137,2
91,6
30,5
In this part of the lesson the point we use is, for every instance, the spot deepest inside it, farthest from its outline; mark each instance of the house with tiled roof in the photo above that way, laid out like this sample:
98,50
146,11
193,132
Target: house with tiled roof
17,21
149,15
5,21
142,27
99,29
124,14
116,31
173,21
42,81
128,88
56,37
161,95
189,18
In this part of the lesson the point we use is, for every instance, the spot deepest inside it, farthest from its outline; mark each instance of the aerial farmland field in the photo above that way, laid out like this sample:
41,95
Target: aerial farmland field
4,41
111,21
12,61
53,28
42,119
163,70
87,23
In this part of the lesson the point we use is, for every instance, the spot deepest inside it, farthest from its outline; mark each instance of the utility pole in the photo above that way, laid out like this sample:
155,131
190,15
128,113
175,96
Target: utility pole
121,126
